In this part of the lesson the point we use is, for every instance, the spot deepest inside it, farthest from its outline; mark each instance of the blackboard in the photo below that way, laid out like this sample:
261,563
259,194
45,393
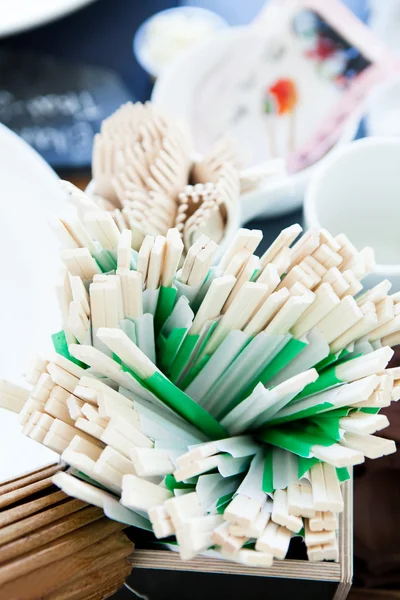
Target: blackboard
57,107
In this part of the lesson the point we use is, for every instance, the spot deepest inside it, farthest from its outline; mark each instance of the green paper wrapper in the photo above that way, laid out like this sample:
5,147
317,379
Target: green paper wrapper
370,410
166,391
61,347
268,474
325,381
305,465
199,364
223,502
329,423
165,305
327,362
285,356
343,474
106,260
168,348
303,414
183,356
277,364
336,359
171,484
296,438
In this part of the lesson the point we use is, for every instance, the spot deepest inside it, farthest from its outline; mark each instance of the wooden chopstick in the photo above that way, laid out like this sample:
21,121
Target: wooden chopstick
58,549
24,492
100,582
25,480
25,526
92,558
29,508
50,532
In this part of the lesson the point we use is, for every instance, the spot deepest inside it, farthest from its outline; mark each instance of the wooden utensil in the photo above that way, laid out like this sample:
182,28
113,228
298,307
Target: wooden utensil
55,547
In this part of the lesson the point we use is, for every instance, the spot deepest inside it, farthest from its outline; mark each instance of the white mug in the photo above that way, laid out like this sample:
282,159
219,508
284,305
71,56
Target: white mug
356,190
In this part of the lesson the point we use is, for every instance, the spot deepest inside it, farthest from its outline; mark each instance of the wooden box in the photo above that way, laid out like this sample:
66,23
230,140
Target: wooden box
161,575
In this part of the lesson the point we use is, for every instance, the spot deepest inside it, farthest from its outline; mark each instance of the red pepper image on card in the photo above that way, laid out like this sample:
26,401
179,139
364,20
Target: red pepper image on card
281,99
282,95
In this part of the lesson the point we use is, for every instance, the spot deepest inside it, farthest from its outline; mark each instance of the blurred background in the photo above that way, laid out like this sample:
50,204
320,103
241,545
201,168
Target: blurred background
65,65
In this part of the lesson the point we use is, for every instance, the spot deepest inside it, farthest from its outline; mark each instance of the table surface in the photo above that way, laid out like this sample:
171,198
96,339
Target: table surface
355,594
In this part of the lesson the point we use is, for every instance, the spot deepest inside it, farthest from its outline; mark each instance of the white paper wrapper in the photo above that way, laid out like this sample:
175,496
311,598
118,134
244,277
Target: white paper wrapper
363,346
316,350
285,468
180,318
99,345
243,445
129,328
160,423
206,488
246,413
129,383
112,508
174,445
188,291
229,466
234,380
251,485
275,406
215,367
196,350
376,345
212,274
150,299
211,490
145,335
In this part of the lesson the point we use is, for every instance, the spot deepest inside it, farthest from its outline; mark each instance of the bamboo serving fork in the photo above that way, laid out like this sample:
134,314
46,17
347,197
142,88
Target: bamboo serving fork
146,175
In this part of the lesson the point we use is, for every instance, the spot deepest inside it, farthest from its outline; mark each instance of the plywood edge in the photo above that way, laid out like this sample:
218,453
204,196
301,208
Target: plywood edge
288,569
346,543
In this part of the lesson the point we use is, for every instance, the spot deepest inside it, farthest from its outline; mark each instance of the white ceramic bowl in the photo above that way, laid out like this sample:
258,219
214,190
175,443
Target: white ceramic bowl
21,15
140,38
357,191
175,90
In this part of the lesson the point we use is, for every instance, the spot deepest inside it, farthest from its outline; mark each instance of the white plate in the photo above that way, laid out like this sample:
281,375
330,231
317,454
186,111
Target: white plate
29,253
29,262
19,15
19,455
176,91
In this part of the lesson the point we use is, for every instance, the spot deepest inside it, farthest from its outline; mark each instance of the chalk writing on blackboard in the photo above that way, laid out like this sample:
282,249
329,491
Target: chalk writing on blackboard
50,139
78,105
55,107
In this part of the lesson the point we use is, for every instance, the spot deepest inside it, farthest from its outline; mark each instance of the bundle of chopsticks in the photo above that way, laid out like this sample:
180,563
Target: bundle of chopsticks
220,406
53,546
147,176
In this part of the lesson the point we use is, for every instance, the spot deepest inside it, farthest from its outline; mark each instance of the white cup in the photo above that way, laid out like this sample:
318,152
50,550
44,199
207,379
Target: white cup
356,191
